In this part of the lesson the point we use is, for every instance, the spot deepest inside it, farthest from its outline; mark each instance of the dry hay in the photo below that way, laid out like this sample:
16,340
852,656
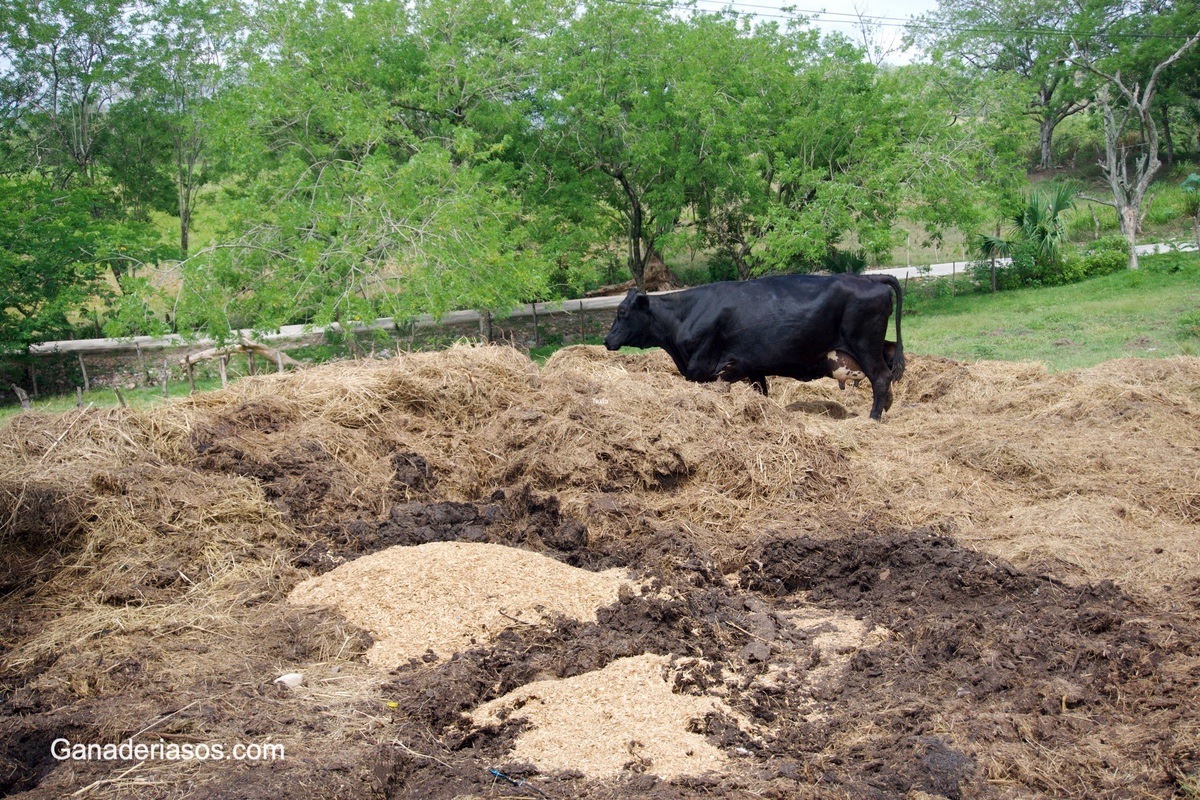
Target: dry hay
623,718
444,597
598,359
150,552
1090,473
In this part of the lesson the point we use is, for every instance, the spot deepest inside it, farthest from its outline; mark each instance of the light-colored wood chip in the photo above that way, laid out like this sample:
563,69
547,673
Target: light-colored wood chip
623,718
446,597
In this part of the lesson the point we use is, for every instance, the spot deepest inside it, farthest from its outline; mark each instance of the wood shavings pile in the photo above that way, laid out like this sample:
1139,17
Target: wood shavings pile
448,596
623,718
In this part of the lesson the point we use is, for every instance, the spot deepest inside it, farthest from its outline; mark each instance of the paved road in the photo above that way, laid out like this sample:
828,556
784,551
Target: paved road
953,267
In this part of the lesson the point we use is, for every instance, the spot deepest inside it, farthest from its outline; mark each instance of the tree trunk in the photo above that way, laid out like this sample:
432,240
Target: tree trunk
993,271
185,225
741,261
1046,136
637,263
1129,227
636,259
1168,142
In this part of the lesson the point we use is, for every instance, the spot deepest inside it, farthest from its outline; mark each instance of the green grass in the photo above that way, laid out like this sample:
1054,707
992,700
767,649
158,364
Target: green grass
1149,313
142,397
540,354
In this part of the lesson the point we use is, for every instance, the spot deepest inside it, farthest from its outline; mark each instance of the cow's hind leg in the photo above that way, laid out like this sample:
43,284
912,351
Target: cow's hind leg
877,372
759,382
881,392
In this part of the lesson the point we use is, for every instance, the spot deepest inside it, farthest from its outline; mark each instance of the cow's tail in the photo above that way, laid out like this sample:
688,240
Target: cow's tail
897,364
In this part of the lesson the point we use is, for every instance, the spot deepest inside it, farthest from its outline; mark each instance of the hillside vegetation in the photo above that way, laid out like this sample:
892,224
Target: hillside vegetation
218,164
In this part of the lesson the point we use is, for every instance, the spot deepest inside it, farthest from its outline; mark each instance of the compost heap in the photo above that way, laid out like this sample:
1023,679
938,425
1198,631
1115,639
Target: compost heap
594,579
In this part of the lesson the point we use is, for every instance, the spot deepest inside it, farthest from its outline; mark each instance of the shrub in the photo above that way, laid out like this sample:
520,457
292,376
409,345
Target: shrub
1105,256
1029,270
721,267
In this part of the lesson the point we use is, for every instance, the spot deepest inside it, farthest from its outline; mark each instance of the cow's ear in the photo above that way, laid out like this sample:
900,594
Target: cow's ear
640,300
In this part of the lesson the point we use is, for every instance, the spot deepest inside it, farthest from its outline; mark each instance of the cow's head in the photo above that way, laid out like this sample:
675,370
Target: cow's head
632,324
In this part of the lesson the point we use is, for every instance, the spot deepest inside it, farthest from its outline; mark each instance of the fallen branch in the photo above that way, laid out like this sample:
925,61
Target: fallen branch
247,346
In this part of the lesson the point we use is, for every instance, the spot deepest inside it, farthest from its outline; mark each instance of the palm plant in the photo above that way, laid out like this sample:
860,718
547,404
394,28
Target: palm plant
1041,222
1191,202
1036,231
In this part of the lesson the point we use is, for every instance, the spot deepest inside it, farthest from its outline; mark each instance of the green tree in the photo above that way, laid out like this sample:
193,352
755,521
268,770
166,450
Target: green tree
837,151
1130,76
612,112
53,253
1028,38
62,63
161,131
354,200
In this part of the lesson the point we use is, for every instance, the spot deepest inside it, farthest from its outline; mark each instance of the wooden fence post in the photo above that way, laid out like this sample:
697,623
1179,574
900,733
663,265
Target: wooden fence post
87,387
142,363
24,398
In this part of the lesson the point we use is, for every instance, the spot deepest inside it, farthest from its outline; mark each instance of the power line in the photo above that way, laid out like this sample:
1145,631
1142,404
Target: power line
814,15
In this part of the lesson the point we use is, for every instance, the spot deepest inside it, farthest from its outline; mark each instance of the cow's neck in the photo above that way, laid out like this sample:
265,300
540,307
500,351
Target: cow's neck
667,314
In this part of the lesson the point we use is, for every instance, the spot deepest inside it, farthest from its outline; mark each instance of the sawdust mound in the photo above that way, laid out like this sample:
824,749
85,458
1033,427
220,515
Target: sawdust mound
444,597
623,718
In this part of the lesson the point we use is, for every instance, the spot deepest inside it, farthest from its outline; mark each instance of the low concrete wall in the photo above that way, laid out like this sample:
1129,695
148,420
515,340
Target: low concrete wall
59,367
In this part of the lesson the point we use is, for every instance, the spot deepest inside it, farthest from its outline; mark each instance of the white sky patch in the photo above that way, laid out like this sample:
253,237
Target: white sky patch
880,23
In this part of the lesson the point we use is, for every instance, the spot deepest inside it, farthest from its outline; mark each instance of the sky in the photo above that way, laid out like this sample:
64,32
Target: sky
885,18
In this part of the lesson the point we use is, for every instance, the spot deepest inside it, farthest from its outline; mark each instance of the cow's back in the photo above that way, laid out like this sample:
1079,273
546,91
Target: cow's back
773,323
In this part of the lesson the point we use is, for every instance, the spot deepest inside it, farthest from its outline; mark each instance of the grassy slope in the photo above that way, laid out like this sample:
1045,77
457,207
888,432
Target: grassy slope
1149,313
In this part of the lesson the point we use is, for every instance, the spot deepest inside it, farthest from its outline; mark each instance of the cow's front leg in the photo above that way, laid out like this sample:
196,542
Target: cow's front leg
732,372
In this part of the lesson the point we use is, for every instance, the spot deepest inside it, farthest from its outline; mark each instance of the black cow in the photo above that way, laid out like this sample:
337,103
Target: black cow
784,325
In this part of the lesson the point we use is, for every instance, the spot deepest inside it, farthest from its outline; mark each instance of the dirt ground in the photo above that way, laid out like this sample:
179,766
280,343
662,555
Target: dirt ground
995,593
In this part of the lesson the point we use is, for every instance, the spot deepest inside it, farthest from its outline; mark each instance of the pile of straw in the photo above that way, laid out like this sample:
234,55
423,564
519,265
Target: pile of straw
146,535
